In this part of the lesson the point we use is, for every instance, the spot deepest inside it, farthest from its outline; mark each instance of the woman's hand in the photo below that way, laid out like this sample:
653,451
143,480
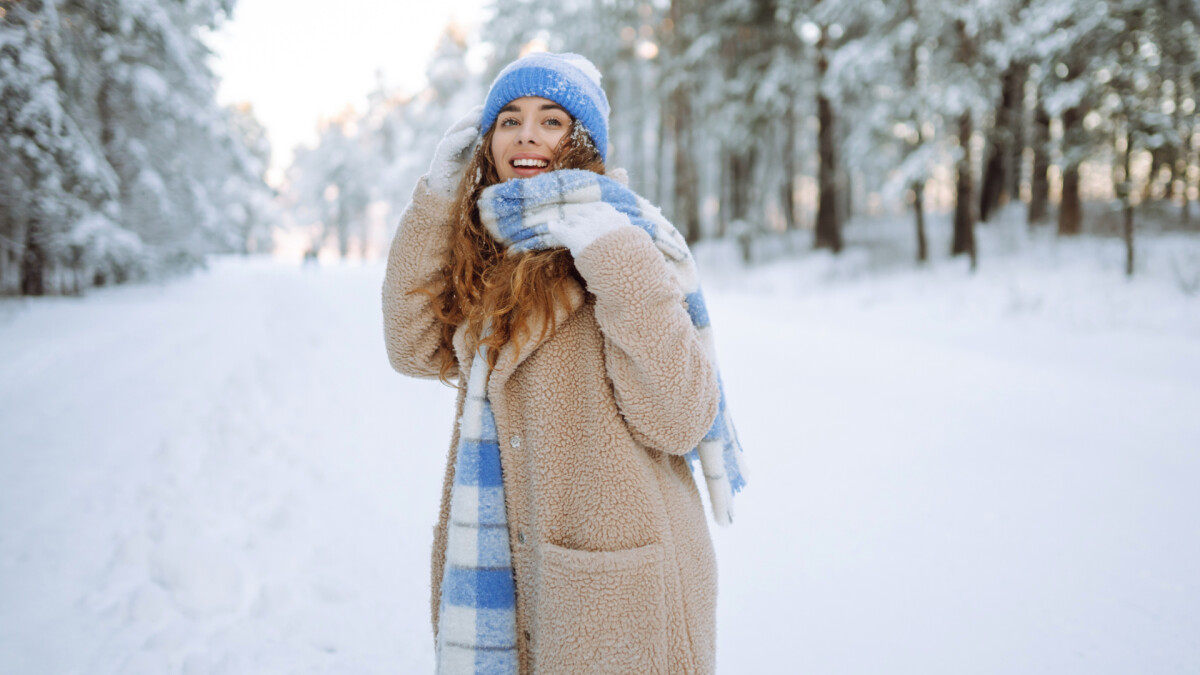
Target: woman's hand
452,153
574,228
585,224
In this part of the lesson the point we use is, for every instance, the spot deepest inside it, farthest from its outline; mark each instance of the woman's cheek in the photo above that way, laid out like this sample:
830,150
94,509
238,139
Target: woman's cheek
554,140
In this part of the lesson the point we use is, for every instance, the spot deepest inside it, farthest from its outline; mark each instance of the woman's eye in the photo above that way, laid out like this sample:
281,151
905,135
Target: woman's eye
554,122
508,122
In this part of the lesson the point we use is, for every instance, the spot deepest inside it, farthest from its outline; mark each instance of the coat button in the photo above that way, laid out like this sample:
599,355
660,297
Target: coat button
528,637
521,536
515,441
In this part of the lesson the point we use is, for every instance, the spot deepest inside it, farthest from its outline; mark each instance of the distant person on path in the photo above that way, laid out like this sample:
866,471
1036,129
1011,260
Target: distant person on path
572,538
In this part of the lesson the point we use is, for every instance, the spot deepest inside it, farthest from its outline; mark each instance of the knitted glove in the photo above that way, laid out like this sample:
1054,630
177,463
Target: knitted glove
452,153
573,227
584,224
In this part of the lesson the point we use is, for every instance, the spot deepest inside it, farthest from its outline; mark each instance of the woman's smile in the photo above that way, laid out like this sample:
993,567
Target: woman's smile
526,164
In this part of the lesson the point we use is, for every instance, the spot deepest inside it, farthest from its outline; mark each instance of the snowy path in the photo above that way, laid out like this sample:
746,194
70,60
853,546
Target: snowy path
222,475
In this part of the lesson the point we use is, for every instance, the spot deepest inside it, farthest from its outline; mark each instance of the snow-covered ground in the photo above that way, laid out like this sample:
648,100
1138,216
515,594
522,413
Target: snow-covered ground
951,473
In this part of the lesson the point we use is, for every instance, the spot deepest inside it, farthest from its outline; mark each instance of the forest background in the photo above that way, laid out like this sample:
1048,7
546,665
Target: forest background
744,119
984,462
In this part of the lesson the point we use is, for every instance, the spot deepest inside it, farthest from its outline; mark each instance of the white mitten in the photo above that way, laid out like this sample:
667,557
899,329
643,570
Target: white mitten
452,153
584,224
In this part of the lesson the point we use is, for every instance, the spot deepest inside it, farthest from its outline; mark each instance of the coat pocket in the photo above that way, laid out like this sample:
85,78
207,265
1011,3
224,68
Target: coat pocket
601,612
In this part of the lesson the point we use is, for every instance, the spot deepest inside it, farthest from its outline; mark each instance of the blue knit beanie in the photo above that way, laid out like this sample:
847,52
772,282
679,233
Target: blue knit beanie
569,80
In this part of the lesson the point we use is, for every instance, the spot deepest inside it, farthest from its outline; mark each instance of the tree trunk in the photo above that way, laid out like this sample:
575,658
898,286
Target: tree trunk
11,253
741,181
661,165
918,189
828,230
726,193
687,211
685,198
1189,139
911,81
1015,95
1180,152
1127,200
787,185
10,236
1001,181
963,240
1159,157
1118,161
641,149
964,218
828,233
1070,209
33,264
845,186
6,257
991,186
1039,182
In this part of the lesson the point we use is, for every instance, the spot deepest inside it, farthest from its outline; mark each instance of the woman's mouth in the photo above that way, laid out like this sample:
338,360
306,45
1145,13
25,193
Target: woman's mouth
529,166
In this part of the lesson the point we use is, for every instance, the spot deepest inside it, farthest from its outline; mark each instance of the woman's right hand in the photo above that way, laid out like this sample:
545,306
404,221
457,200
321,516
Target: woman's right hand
452,153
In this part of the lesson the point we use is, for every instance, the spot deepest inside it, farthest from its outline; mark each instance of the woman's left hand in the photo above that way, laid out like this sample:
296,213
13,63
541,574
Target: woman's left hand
579,226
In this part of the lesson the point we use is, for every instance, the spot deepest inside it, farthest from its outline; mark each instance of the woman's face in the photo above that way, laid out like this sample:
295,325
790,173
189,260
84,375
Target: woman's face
528,131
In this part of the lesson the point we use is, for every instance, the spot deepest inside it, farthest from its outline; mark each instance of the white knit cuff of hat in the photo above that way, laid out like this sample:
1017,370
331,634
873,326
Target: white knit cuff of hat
583,224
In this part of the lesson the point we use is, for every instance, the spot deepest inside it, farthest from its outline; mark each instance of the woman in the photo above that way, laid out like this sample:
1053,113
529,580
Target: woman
572,538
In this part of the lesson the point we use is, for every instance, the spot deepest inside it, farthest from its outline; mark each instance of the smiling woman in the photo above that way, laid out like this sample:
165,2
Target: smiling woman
572,538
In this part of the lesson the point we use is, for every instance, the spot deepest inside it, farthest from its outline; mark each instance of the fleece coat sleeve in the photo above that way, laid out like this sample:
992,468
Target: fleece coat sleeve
663,381
421,248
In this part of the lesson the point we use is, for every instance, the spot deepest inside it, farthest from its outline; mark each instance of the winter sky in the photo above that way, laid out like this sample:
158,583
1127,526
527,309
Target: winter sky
296,61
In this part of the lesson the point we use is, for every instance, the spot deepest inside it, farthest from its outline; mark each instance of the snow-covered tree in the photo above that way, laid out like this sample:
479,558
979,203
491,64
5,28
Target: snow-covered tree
1120,77
329,185
882,76
250,206
118,162
54,174
375,157
722,107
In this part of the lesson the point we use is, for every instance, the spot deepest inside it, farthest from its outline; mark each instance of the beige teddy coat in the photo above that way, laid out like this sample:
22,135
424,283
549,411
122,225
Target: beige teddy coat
614,567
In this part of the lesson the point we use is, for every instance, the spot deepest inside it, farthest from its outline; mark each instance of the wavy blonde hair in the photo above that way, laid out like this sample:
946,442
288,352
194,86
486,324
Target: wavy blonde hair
481,282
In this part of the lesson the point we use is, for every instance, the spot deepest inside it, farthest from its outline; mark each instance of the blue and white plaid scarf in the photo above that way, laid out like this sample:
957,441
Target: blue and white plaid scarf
516,212
477,627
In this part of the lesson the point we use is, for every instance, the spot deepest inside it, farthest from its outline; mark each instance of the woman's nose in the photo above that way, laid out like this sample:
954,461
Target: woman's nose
527,134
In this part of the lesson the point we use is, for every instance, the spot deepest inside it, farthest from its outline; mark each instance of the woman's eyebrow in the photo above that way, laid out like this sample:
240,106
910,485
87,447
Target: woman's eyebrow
512,107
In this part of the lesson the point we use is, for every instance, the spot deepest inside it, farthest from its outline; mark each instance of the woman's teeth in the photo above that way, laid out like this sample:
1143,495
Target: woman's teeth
538,163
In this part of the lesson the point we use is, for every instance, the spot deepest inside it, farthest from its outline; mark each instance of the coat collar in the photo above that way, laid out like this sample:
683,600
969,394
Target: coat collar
510,358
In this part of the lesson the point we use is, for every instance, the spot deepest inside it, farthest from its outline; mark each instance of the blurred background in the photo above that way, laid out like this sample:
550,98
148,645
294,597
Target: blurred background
127,155
951,252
